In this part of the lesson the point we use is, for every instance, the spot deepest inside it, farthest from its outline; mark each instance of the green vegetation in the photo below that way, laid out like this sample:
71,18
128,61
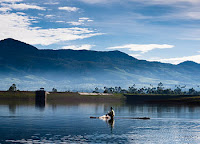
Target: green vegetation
111,95
189,100
61,97
151,90
26,95
12,88
54,90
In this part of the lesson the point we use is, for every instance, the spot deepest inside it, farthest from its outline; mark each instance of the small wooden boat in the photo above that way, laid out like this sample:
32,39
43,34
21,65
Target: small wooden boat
108,117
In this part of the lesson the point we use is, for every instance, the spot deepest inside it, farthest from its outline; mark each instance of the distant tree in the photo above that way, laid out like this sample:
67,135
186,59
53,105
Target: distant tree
141,91
160,88
145,90
117,89
123,91
132,89
111,90
154,90
151,90
105,90
12,88
183,89
167,91
192,91
54,90
177,90
96,90
183,86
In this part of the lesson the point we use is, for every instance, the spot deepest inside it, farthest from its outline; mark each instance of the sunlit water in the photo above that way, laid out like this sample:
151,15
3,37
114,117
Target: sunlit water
71,124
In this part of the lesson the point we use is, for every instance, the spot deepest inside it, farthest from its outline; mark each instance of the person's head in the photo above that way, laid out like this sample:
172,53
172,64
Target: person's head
111,108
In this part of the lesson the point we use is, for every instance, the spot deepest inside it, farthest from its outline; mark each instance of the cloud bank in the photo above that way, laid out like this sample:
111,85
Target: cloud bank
195,58
19,27
22,6
164,2
81,47
143,48
81,21
69,9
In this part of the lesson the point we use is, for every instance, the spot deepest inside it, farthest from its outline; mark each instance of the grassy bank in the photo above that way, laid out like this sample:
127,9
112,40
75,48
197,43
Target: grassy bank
74,97
24,95
61,97
163,98
191,100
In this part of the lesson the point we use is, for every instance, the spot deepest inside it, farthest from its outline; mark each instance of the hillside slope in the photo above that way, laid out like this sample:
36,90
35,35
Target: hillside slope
31,68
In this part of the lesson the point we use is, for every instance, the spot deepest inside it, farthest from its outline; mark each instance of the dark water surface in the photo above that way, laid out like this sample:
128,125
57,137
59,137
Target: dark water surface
70,123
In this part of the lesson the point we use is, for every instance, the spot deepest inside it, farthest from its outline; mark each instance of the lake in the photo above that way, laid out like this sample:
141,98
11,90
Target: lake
70,123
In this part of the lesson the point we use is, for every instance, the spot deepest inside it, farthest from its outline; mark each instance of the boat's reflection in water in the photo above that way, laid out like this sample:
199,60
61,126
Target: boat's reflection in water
109,121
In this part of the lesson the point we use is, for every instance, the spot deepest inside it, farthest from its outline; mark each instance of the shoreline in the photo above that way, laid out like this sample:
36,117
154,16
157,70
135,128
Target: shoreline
164,99
77,97
63,97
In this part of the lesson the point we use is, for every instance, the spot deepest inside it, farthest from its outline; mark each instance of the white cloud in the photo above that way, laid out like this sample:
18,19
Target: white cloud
5,9
69,9
90,20
21,13
10,1
49,16
51,3
84,18
195,58
142,1
192,15
60,21
75,23
81,21
96,1
19,27
135,55
184,14
22,6
142,47
81,47
164,2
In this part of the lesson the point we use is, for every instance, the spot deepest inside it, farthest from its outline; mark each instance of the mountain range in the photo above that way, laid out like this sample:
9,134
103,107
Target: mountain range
31,68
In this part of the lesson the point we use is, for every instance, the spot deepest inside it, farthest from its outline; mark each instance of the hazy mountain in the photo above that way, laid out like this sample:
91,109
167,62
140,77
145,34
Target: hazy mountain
31,68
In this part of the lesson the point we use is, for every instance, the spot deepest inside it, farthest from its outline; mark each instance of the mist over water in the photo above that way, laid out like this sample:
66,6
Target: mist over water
70,123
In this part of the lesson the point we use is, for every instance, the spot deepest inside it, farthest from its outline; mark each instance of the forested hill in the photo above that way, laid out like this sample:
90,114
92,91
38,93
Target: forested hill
31,68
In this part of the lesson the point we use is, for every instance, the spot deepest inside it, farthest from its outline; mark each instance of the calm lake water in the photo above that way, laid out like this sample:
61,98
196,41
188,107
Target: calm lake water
70,123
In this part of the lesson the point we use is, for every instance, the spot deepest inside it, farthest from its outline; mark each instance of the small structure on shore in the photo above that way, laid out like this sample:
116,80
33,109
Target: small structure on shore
40,97
95,94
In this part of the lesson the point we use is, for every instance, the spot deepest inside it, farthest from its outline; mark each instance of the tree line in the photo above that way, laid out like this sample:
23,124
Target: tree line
13,88
159,89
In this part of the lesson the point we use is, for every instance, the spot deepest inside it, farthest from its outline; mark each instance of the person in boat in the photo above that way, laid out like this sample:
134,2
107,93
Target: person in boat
111,113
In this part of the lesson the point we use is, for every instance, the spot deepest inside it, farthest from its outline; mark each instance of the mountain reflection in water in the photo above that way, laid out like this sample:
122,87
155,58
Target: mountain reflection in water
26,122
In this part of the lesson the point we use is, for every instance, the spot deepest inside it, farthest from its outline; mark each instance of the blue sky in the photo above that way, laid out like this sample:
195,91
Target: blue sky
154,30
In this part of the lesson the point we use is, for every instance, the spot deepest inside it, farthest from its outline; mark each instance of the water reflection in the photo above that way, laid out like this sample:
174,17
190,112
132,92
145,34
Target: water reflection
40,105
12,108
111,123
70,123
143,110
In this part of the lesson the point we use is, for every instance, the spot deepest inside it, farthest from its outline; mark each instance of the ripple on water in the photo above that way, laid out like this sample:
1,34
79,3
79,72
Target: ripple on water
83,139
